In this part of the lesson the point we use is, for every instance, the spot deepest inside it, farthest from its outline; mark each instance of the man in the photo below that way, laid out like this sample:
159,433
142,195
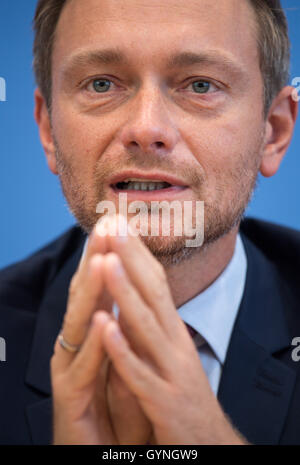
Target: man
193,99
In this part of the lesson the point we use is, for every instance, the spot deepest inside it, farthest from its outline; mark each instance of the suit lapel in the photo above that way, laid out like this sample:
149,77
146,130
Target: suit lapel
48,325
39,417
256,387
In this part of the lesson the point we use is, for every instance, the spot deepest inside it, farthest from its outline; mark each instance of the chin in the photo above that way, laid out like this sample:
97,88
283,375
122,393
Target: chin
170,250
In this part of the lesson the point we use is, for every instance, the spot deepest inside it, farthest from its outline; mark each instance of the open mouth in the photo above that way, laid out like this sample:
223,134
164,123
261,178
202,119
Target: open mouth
146,186
141,185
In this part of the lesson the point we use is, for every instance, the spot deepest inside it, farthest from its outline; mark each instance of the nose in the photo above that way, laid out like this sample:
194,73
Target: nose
149,129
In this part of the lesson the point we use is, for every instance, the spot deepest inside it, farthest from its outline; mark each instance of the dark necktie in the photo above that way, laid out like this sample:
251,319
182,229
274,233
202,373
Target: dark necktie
191,330
197,337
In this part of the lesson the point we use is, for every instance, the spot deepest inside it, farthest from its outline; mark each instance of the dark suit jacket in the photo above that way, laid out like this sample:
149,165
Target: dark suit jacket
260,383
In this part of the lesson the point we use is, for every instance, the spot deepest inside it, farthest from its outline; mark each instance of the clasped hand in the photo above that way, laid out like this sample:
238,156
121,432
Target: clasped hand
138,379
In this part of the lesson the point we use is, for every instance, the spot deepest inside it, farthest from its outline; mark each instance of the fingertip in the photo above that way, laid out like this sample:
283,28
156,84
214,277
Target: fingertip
114,334
102,227
96,259
100,318
95,263
113,260
111,257
96,242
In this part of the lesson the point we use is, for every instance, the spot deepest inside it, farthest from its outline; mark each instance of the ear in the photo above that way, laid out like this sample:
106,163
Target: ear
279,130
42,118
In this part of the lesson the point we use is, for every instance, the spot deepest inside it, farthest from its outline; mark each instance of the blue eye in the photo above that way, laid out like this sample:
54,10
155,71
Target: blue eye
201,87
100,85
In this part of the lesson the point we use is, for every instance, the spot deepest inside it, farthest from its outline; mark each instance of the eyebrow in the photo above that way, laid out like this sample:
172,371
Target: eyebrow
114,56
209,57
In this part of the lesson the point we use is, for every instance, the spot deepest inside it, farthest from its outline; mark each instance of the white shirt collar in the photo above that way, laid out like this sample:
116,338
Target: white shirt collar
213,312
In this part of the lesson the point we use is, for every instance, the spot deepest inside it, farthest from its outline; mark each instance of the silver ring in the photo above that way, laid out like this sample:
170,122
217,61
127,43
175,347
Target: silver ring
67,346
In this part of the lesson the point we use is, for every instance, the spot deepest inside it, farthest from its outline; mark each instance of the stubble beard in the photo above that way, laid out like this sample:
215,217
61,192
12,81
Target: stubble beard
219,219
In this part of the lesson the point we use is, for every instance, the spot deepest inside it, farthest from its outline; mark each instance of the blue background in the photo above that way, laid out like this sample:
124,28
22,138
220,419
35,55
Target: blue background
33,209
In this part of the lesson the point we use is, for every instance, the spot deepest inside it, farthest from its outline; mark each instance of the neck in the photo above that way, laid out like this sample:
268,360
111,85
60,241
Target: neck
192,276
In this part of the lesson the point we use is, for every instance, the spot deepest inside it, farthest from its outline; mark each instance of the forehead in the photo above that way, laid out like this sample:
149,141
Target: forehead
150,32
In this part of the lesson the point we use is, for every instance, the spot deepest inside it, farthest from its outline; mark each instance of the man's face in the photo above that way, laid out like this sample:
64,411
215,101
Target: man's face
199,120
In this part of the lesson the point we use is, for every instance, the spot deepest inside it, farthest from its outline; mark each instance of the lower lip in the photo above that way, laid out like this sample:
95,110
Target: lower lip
163,194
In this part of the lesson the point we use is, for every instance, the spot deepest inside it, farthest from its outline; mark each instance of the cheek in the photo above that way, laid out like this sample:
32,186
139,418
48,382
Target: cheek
222,143
81,138
226,150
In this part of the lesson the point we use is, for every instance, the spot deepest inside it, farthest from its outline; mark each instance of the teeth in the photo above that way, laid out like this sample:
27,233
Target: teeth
145,186
140,180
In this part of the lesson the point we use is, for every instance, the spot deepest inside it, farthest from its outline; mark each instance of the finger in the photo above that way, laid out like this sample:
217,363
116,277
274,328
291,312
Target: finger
84,384
85,367
84,300
139,378
149,277
129,420
144,330
96,244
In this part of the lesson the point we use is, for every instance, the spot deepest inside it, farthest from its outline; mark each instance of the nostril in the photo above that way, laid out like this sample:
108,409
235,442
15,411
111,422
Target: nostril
158,144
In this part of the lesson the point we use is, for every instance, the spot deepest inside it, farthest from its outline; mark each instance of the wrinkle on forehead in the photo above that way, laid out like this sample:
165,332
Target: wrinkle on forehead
155,11
142,11
227,24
